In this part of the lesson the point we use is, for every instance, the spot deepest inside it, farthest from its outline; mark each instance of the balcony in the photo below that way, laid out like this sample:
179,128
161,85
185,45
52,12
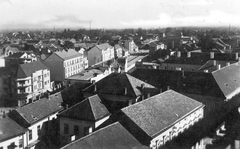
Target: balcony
20,85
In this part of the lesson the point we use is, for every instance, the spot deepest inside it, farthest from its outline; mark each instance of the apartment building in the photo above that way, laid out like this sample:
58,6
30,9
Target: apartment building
100,53
37,118
32,80
64,64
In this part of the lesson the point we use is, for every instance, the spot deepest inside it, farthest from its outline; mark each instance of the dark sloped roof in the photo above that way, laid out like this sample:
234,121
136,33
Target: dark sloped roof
209,65
103,46
27,69
9,129
159,112
116,83
86,74
114,136
90,109
36,111
181,81
71,53
228,79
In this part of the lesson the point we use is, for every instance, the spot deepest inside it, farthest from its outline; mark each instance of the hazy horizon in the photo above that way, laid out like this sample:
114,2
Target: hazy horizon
113,14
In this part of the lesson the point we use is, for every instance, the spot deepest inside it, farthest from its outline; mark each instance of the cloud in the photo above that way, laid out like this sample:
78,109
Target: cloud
196,2
66,21
214,18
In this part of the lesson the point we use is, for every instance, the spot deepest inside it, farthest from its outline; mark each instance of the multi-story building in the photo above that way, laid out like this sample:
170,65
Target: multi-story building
32,80
20,58
99,53
12,135
82,118
159,119
37,118
64,64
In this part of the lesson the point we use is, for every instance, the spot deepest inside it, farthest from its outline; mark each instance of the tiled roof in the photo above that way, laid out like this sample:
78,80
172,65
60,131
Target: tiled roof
90,109
38,110
209,65
16,55
181,81
114,136
85,75
103,46
116,83
228,79
27,69
71,53
159,112
9,129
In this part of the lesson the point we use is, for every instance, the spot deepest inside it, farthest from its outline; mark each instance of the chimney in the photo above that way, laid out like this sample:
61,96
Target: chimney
188,54
227,63
66,106
211,55
4,114
126,64
236,56
148,95
183,75
178,53
142,91
214,62
160,90
48,96
95,88
125,91
168,87
218,66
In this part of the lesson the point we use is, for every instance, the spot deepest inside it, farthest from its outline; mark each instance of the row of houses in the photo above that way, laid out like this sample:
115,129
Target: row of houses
125,108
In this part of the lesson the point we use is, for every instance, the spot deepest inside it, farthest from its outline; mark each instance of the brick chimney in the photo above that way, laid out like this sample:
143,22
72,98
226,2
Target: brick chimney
214,62
178,53
142,90
188,54
211,55
218,66
236,56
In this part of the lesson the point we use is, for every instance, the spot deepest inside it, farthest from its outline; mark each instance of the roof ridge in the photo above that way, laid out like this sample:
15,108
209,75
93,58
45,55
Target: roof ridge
90,103
145,100
94,132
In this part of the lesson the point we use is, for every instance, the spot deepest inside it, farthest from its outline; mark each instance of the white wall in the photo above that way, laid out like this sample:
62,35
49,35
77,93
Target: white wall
14,140
176,129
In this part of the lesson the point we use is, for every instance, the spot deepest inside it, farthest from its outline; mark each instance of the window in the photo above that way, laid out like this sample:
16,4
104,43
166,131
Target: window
30,134
66,129
76,130
20,143
39,130
87,130
216,104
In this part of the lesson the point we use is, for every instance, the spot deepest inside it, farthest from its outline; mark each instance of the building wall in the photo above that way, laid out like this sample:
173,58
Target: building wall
15,141
185,67
83,125
73,66
43,128
34,85
55,64
108,54
94,56
176,129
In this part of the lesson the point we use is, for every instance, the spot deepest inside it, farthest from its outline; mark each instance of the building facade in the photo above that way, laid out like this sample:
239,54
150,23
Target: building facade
33,79
99,53
64,64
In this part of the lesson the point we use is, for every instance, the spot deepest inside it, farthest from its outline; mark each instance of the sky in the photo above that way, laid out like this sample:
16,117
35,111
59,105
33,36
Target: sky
117,13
